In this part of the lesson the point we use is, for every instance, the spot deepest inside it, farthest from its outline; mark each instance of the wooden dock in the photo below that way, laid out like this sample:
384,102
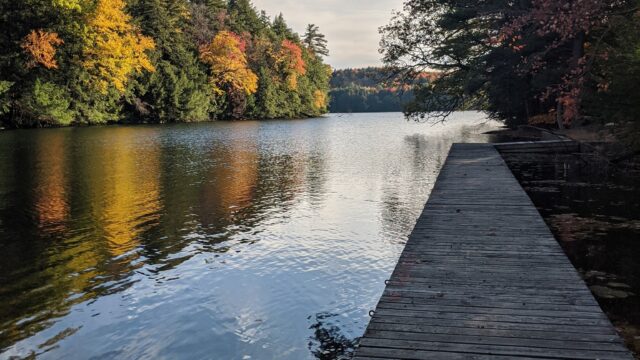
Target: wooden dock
482,277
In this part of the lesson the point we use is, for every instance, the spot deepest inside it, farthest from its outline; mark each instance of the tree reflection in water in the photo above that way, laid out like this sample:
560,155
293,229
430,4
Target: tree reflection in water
129,242
328,342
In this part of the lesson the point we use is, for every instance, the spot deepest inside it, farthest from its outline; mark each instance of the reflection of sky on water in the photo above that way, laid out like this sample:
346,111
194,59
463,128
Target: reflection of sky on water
263,239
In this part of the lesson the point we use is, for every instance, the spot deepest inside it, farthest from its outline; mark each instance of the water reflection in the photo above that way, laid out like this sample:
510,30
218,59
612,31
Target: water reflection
125,194
593,208
231,181
51,206
327,341
426,159
228,239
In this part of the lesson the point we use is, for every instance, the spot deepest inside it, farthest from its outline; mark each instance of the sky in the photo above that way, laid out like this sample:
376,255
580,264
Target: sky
351,26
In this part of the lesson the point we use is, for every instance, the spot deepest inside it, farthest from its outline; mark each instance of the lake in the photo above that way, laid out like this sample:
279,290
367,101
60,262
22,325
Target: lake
227,240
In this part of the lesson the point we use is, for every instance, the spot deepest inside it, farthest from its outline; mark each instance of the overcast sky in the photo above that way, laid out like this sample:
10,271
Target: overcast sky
351,26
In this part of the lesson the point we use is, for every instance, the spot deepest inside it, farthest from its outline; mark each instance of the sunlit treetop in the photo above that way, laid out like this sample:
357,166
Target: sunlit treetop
225,55
114,48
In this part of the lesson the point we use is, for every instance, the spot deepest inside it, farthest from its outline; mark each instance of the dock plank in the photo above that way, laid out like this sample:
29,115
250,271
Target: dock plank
482,277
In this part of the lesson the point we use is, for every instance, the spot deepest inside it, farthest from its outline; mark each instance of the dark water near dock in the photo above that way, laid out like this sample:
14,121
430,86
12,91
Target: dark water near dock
593,209
263,240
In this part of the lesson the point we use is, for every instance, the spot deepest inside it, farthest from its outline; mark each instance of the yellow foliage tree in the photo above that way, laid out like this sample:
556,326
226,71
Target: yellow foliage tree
41,48
229,67
114,48
319,99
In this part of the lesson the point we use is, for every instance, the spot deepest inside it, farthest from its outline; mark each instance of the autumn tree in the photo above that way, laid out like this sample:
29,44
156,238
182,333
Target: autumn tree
36,47
567,26
41,46
230,73
289,58
229,68
114,48
66,62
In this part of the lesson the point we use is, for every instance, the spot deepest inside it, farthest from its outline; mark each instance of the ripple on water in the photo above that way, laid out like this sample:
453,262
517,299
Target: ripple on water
228,240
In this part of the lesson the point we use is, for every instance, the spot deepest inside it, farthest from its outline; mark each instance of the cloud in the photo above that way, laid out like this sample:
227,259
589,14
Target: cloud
351,26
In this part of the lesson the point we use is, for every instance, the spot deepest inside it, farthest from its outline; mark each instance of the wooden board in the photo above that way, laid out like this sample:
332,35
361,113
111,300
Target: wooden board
549,146
482,277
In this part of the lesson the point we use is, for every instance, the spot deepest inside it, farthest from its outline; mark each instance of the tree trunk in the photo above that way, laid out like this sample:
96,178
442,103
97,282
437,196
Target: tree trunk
559,115
578,49
576,56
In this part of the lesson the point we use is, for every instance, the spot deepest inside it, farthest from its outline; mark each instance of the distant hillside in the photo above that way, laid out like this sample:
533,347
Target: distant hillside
372,89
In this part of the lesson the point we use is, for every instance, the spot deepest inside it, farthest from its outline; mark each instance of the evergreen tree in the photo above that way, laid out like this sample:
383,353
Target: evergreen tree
282,30
177,90
370,89
315,41
244,18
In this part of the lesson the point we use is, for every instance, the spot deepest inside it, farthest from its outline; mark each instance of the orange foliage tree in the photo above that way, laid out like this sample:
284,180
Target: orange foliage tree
41,48
114,48
291,62
225,55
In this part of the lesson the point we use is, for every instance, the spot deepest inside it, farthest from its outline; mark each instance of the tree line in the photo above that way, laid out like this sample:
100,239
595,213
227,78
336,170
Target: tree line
67,62
371,89
558,62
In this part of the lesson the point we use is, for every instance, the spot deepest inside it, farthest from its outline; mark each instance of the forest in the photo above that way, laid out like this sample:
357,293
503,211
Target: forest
75,62
554,62
372,89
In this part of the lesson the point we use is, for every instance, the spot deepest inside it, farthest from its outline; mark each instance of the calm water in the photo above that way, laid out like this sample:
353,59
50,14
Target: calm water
262,240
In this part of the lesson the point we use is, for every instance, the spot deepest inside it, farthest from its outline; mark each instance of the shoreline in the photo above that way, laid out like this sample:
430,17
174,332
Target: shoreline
116,124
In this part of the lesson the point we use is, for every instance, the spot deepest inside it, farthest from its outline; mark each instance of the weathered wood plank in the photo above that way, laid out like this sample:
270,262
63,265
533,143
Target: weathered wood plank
472,303
476,316
493,349
587,313
554,146
481,277
531,334
381,353
483,324
497,287
495,340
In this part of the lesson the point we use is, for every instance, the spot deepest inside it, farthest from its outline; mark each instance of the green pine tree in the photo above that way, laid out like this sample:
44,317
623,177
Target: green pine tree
177,90
315,41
